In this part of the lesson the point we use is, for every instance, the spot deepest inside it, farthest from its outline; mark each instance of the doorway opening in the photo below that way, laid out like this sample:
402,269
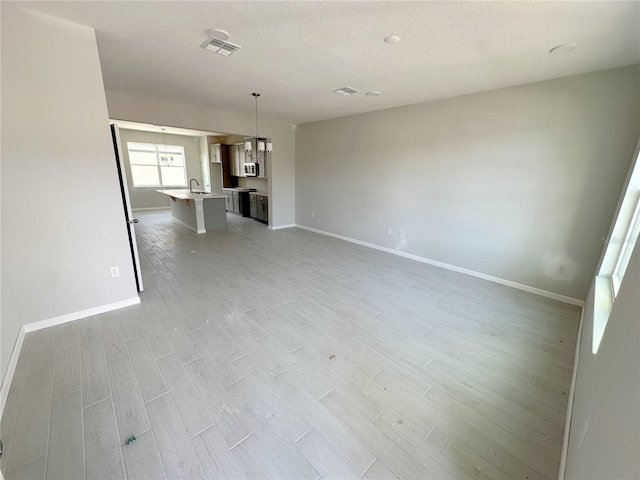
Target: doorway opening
150,158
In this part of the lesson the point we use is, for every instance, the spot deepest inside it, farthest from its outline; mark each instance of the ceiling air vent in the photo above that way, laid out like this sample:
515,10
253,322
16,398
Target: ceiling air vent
220,46
345,91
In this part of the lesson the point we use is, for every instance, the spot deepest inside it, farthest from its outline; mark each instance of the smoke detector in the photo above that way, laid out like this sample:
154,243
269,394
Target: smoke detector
218,34
345,91
222,47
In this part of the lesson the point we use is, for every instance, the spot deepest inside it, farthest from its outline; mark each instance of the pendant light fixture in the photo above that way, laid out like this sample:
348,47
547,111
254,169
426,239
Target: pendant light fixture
260,145
166,159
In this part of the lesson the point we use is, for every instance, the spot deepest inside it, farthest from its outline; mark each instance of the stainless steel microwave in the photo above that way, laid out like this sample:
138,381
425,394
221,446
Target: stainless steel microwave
251,169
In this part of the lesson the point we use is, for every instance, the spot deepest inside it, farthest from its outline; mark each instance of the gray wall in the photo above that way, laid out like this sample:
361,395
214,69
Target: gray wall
147,197
281,168
510,183
62,216
607,392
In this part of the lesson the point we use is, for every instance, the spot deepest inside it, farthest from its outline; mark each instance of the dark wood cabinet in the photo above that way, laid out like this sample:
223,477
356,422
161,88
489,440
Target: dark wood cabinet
228,180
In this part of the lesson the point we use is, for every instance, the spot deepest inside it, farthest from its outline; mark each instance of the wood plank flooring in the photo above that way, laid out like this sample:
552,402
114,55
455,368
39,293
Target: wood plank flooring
286,354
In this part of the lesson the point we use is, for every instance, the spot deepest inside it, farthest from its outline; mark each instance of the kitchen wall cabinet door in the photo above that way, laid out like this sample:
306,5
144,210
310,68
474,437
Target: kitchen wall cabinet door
242,158
262,170
215,153
233,159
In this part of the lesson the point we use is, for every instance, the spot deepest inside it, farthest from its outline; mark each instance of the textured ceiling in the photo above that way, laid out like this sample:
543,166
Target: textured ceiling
296,53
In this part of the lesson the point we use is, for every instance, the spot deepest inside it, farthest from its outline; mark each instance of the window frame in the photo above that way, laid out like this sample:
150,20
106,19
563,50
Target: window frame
617,252
158,165
629,240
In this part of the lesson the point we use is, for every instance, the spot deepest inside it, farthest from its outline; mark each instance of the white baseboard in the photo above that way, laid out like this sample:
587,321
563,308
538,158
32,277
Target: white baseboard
11,370
572,392
150,209
69,317
50,322
280,227
501,281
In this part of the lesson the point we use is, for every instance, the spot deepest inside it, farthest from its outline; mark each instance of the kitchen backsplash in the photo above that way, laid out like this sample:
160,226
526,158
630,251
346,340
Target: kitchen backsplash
259,184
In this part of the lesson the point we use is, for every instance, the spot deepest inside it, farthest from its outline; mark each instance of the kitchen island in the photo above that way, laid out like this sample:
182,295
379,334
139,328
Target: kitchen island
199,211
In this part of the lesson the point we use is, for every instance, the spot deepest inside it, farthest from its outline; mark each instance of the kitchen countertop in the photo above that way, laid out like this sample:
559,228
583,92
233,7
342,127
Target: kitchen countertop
185,194
243,189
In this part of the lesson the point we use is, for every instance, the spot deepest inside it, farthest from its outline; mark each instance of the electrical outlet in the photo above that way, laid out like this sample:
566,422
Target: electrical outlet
562,268
401,233
388,231
313,214
115,272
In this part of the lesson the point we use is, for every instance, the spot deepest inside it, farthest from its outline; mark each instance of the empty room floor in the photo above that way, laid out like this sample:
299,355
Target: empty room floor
287,354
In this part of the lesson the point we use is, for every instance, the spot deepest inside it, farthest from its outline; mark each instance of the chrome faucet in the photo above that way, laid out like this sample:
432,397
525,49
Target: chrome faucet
191,184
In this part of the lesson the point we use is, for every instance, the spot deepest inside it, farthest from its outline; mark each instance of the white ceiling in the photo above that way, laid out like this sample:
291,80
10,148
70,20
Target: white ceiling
296,52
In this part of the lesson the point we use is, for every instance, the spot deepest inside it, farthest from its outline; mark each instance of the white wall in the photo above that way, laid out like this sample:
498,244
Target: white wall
509,183
145,197
282,165
62,215
607,392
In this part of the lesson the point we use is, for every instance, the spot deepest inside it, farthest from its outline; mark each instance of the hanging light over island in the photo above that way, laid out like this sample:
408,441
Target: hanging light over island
261,146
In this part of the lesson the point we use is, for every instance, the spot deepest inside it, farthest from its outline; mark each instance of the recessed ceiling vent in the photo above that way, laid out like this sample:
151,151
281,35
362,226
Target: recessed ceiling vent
346,91
220,46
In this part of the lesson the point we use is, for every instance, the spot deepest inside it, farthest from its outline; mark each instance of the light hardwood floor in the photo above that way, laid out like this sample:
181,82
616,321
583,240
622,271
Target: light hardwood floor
286,354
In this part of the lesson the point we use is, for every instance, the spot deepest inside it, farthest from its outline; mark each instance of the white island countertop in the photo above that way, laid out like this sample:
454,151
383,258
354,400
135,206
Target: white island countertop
185,194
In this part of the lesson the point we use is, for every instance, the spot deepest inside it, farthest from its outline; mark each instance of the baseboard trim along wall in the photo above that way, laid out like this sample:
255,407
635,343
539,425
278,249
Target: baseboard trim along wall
69,317
490,278
149,209
50,322
280,227
11,370
572,392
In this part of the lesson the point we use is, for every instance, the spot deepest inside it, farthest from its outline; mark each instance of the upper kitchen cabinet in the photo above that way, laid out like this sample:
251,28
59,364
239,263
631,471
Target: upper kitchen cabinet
215,153
264,161
233,160
237,159
241,159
